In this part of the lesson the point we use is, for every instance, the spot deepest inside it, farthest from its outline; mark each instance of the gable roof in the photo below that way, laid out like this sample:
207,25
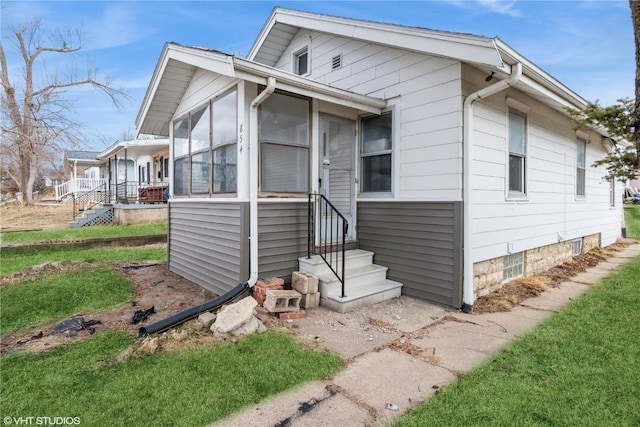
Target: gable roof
488,54
283,24
178,64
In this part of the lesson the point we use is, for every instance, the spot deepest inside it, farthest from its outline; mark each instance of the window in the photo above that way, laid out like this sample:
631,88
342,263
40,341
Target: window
166,167
301,62
513,266
284,144
517,153
148,173
375,153
224,138
581,151
576,247
206,133
612,192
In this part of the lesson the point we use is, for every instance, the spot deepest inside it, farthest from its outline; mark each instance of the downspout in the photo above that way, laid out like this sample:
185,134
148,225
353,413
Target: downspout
467,144
253,178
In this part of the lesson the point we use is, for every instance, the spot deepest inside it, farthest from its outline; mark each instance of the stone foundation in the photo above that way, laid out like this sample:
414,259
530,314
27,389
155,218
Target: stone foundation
488,275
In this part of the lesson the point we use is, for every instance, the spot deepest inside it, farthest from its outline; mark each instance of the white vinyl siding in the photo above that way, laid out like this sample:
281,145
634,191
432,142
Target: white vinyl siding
550,211
426,94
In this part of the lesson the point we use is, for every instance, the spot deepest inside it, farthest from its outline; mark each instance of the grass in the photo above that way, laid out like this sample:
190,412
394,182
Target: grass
83,233
17,259
582,367
185,388
55,297
632,217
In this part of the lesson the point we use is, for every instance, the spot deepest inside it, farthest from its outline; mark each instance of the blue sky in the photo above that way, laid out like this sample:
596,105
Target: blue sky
587,45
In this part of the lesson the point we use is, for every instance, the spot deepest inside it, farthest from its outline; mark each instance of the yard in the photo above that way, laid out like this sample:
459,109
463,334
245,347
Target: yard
580,368
109,377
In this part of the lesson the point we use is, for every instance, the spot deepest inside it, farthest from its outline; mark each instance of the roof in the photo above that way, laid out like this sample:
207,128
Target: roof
81,155
489,54
178,64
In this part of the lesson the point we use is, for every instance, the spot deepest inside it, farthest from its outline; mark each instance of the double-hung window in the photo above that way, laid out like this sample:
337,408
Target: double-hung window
517,153
284,144
581,152
376,147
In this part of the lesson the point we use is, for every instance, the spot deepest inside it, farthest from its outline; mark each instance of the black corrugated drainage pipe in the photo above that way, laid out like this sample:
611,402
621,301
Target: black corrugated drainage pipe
240,291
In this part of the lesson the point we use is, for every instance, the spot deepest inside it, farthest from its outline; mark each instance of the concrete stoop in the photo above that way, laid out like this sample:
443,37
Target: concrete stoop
365,282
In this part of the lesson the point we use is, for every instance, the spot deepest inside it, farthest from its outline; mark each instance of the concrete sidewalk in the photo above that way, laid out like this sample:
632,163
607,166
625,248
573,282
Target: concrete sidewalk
400,352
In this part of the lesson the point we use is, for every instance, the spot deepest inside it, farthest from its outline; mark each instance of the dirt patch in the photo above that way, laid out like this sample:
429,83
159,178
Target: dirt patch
155,286
39,217
518,290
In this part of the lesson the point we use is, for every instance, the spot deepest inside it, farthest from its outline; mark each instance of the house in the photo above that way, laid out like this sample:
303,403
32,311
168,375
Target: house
449,157
125,168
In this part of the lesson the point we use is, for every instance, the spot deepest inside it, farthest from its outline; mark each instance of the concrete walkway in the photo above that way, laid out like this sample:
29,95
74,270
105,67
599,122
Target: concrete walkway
400,352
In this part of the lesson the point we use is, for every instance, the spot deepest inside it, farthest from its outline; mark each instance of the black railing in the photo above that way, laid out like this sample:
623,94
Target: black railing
87,200
332,230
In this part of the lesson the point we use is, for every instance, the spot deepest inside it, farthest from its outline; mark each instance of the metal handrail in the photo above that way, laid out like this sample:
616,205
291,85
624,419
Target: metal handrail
321,210
87,200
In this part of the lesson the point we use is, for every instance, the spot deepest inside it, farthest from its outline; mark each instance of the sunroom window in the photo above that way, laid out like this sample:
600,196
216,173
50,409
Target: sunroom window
208,132
581,154
376,153
284,144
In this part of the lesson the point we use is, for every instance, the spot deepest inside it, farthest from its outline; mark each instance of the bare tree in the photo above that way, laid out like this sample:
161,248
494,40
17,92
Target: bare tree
36,116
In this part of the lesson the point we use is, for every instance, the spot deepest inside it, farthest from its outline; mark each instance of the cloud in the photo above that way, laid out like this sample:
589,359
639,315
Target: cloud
120,24
501,7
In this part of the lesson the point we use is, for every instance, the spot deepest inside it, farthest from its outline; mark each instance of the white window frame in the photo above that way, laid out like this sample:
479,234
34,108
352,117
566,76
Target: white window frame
612,192
517,194
581,141
390,151
296,61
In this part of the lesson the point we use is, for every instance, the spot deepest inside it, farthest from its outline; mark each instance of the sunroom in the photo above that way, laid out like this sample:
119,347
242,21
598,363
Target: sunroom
248,144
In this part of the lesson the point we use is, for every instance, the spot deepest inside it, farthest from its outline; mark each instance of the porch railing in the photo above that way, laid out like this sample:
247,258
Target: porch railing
77,185
331,227
84,201
134,192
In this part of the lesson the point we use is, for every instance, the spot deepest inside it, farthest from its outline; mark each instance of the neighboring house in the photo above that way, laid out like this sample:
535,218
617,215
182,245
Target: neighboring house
123,168
450,155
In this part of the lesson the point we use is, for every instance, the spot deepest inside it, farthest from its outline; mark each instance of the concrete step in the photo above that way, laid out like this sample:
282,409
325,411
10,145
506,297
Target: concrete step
374,293
356,277
317,266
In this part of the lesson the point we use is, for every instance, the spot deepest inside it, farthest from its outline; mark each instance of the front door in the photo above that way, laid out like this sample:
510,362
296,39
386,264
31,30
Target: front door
337,156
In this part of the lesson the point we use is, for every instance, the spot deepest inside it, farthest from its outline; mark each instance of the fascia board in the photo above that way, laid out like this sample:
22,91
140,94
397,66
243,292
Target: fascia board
153,86
464,47
264,33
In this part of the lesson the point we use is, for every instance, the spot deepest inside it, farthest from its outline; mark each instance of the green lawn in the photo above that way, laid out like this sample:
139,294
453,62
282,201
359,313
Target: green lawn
55,297
17,259
187,388
83,233
581,368
632,216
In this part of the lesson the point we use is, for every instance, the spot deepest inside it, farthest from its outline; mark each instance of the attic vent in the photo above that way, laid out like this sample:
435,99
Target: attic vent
336,62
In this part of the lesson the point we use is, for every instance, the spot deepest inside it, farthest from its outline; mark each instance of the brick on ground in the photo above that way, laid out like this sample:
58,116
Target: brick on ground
291,315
